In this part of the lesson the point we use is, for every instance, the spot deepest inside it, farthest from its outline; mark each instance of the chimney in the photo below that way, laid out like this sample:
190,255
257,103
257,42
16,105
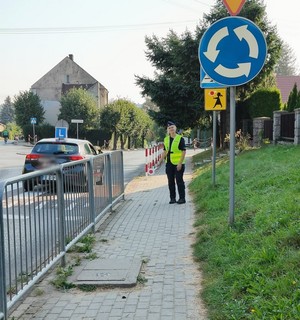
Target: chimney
71,57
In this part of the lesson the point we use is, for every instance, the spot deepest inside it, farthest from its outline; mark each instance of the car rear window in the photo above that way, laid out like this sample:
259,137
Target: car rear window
55,148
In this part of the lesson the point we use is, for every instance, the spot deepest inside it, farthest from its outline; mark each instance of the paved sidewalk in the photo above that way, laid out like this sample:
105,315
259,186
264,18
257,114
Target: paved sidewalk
147,227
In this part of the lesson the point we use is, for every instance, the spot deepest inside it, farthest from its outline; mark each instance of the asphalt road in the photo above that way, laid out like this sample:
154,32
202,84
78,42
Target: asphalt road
12,159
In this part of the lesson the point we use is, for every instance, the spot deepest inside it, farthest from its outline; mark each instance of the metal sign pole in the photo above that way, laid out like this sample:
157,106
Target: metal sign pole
232,154
33,129
77,121
214,148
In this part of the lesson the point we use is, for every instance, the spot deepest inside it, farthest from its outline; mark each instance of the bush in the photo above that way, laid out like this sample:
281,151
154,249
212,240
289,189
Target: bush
263,102
14,130
242,140
41,131
97,136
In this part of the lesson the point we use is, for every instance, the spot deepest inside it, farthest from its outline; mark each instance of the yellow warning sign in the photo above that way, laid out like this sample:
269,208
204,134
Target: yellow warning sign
215,99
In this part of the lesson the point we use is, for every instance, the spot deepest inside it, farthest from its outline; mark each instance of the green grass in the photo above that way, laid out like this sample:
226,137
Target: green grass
61,279
85,244
252,269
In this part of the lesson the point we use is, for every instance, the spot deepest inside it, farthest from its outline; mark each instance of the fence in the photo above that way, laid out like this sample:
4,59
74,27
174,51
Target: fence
287,125
268,129
152,157
37,227
203,143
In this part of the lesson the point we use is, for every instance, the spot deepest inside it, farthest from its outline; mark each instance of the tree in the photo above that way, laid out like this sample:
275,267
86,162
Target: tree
125,121
175,87
28,105
142,129
14,130
128,119
287,64
109,118
293,99
79,104
149,105
7,112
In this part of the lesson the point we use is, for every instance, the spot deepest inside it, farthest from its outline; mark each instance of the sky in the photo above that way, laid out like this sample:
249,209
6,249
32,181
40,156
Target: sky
106,37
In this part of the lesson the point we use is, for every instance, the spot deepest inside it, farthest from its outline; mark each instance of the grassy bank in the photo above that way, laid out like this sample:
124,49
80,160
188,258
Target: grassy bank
252,270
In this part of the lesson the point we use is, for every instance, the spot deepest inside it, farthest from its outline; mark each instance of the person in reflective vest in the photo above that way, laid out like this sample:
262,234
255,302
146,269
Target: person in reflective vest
174,156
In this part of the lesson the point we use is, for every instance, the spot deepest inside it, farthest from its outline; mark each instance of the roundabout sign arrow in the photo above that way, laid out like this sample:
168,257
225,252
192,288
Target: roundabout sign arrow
232,51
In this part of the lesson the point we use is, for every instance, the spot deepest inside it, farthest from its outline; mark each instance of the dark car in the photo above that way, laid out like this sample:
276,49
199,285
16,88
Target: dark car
52,151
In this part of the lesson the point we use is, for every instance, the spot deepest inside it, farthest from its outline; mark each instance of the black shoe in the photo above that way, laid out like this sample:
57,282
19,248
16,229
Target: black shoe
181,201
172,201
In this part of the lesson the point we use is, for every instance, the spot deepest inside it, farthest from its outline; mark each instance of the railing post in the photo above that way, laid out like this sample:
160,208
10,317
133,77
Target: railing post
61,213
122,175
90,167
3,301
110,197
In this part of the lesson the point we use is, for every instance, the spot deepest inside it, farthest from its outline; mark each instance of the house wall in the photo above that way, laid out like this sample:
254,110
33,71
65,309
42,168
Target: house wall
51,111
100,93
49,87
104,97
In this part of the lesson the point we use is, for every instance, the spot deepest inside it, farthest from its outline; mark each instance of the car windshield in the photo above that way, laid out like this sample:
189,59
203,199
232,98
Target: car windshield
55,148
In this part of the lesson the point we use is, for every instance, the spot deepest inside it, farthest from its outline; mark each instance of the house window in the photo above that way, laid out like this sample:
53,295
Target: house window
67,78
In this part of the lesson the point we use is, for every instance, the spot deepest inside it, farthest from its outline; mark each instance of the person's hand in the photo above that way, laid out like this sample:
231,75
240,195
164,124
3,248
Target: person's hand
179,166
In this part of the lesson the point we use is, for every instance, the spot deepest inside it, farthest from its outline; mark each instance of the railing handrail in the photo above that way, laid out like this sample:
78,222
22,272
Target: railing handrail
110,159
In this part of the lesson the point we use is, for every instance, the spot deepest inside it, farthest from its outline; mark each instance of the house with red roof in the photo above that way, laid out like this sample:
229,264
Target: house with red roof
285,84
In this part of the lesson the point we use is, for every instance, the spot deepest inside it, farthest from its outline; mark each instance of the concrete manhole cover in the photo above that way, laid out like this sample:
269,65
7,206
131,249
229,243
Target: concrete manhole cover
108,272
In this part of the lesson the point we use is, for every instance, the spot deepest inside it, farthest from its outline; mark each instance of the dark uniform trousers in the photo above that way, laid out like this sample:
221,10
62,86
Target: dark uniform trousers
174,175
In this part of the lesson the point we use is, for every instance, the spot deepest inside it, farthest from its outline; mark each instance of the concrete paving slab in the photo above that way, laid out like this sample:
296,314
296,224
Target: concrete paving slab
144,227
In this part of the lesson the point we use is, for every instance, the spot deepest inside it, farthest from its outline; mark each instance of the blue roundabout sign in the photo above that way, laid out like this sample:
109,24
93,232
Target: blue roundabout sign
232,51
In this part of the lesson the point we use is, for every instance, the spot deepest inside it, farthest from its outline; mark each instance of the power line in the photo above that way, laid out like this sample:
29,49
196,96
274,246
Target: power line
184,6
89,29
198,1
180,5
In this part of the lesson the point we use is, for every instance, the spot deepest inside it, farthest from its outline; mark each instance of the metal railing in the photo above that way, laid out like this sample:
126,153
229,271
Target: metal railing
42,214
287,128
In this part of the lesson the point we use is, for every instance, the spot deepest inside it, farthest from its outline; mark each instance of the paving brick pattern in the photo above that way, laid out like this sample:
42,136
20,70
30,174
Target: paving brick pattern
147,227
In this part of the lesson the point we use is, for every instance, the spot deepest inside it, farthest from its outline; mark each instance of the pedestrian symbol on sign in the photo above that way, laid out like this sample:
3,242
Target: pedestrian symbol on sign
218,100
33,120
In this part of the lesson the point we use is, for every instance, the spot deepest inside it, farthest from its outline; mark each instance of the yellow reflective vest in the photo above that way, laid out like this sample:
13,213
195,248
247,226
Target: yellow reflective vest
175,152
